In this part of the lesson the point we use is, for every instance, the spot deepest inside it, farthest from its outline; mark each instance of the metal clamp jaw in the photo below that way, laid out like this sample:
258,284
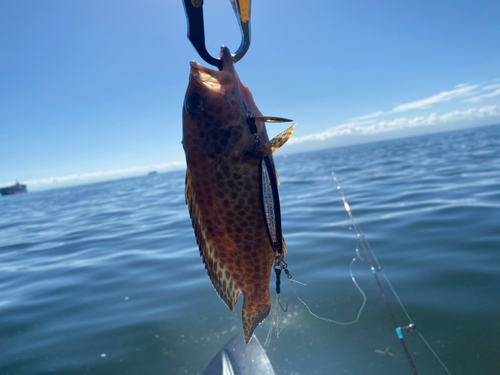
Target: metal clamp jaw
196,29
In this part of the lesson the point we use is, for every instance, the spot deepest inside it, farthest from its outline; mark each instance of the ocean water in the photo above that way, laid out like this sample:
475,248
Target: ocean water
107,278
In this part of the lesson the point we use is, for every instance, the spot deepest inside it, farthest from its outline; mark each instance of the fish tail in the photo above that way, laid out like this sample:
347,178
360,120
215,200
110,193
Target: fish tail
252,315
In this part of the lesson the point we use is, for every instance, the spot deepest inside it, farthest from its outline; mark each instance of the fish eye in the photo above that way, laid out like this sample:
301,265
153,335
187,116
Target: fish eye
194,103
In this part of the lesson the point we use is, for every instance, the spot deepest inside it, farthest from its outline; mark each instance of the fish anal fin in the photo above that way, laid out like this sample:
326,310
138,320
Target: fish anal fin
223,283
274,144
221,279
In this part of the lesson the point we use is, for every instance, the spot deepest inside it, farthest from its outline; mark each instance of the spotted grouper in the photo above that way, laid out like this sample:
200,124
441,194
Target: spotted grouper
223,188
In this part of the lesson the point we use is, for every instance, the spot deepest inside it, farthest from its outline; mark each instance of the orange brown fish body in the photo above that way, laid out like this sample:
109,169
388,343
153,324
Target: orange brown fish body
223,188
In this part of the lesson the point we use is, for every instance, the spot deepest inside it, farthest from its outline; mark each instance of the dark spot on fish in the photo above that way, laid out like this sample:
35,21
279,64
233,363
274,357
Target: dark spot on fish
210,120
227,172
213,135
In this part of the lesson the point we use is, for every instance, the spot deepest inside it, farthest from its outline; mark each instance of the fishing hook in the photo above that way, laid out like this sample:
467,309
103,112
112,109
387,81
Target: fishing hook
196,29
287,307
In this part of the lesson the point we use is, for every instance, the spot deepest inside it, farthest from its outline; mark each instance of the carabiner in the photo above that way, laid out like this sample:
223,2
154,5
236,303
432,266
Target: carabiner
196,29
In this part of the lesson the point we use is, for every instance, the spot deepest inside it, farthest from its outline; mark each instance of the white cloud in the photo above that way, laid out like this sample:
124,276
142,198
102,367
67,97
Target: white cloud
100,175
478,98
433,119
491,87
443,96
461,90
370,116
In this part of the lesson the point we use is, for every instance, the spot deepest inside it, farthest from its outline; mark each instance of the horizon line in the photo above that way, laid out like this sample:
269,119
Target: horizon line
133,172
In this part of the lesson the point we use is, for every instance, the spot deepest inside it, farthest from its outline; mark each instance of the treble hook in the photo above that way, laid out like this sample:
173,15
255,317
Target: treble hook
196,29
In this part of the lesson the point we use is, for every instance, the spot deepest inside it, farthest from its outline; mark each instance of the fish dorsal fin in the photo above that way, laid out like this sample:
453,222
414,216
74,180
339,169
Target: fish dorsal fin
274,144
222,281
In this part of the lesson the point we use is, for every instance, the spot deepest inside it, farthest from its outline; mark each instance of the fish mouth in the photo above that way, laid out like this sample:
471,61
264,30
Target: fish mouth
227,59
215,80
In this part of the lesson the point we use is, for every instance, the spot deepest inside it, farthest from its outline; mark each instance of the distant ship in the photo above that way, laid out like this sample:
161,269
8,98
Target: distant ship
152,173
14,189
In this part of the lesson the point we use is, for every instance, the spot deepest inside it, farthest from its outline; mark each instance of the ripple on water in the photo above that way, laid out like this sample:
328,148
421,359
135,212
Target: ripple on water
113,268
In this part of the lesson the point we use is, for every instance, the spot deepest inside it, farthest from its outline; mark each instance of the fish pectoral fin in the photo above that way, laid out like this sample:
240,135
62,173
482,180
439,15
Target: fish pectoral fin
274,144
221,279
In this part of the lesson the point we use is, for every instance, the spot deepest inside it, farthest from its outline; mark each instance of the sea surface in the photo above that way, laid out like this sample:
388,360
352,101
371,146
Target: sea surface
107,278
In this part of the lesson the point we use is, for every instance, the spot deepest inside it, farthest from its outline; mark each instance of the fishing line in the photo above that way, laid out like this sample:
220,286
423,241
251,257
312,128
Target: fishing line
374,271
275,320
358,254
433,352
402,305
411,327
330,320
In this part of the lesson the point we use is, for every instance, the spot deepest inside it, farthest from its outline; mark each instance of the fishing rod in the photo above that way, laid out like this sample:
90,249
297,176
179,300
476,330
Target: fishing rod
374,271
399,330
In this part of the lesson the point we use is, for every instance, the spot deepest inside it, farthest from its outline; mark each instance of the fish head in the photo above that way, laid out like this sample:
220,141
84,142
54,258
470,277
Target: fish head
216,106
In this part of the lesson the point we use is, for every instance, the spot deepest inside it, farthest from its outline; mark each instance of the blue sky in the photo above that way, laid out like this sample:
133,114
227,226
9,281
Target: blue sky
92,90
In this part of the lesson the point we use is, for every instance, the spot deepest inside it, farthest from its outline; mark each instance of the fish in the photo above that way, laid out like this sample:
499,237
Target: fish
222,189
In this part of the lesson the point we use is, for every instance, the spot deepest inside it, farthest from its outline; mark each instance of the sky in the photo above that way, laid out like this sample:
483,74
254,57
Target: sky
93,90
